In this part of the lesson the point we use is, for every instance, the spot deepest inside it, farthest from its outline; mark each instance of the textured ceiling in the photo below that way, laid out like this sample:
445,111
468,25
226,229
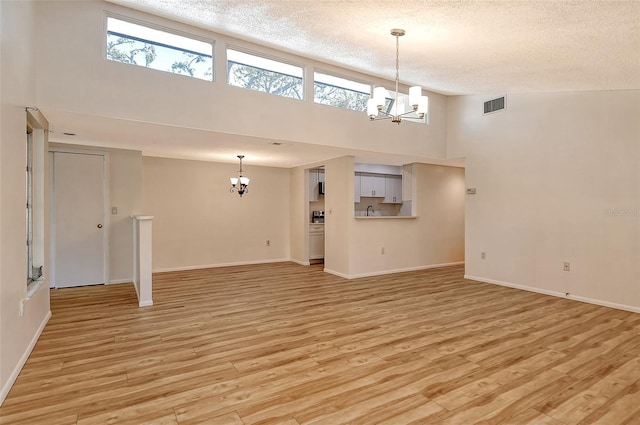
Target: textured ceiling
451,47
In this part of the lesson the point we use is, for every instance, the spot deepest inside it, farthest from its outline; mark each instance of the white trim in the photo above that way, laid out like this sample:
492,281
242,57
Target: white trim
556,294
383,272
25,356
212,266
118,281
32,287
335,273
148,303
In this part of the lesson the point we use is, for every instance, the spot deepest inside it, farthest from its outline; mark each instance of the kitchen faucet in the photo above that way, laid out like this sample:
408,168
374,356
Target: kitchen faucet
370,206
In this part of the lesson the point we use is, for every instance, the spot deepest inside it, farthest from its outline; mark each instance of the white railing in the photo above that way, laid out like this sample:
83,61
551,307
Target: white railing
142,280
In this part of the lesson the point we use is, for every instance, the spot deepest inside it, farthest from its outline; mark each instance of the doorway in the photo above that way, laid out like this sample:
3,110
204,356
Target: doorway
79,236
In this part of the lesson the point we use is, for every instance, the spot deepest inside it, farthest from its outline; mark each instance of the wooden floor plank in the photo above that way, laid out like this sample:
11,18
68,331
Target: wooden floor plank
290,345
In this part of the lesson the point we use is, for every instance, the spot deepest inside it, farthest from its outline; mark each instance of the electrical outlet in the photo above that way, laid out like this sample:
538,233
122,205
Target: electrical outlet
483,255
567,266
382,250
114,210
21,308
268,242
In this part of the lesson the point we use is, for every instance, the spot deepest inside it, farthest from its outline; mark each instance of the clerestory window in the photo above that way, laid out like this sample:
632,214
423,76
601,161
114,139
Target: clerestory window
151,48
266,75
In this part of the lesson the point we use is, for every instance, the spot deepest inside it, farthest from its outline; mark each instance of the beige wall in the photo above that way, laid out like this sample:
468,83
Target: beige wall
338,211
198,223
18,333
558,179
125,193
299,210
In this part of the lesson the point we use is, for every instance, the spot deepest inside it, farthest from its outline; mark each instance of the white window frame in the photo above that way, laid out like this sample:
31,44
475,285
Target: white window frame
162,37
341,82
266,63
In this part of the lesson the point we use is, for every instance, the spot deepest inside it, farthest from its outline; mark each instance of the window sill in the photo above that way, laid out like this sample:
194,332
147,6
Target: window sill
32,288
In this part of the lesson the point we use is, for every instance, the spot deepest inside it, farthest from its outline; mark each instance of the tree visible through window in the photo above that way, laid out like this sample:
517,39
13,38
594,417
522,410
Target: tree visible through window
138,45
340,92
265,75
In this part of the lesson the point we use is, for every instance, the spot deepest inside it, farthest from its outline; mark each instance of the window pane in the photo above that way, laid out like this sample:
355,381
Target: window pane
29,212
142,46
340,92
265,75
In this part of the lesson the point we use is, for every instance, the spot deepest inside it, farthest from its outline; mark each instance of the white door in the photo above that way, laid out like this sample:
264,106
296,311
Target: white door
78,219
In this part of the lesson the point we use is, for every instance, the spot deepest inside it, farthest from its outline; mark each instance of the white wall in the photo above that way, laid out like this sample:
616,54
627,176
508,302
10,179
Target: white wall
125,193
18,333
558,179
198,223
83,81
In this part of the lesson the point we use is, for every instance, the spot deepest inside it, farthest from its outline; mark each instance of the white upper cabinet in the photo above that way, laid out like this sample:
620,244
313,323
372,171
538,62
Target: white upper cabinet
393,190
372,185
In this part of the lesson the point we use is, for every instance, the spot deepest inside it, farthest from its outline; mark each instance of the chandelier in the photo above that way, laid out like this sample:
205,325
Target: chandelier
395,112
242,188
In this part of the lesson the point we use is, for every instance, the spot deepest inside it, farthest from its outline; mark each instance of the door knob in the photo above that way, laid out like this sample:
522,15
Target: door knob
99,226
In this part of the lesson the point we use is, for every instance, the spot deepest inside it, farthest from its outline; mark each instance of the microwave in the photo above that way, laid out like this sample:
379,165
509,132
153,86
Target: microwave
320,188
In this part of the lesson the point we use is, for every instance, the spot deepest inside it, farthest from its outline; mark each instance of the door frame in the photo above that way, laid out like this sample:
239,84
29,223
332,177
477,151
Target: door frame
106,204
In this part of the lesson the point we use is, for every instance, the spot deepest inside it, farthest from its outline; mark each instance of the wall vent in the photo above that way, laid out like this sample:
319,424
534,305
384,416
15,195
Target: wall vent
494,105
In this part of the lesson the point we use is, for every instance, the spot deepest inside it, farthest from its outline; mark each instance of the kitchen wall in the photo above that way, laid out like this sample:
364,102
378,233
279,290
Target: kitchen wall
379,207
125,193
199,223
18,332
558,180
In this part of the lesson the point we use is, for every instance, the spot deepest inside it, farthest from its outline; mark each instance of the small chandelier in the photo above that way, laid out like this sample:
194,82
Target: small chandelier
244,181
418,102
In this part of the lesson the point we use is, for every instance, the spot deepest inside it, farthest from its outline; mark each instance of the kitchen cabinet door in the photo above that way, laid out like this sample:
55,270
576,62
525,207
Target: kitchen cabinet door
393,190
372,185
356,190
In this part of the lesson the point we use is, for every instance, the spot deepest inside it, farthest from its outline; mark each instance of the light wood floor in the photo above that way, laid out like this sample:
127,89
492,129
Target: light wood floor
286,344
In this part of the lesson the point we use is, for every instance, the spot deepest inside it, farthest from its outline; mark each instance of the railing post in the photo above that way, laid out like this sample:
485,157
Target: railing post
142,271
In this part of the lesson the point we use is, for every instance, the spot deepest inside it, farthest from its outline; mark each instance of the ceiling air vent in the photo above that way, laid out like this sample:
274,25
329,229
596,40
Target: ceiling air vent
494,105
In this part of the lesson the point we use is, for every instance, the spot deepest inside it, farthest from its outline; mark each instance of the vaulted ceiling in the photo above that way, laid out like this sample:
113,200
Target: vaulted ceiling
451,47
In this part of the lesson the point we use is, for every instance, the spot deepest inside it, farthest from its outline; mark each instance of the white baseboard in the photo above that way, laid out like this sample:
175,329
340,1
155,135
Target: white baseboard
335,273
145,303
302,263
558,294
119,281
211,266
383,272
25,356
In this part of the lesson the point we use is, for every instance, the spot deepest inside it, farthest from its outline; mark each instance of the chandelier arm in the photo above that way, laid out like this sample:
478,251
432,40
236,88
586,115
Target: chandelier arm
386,117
